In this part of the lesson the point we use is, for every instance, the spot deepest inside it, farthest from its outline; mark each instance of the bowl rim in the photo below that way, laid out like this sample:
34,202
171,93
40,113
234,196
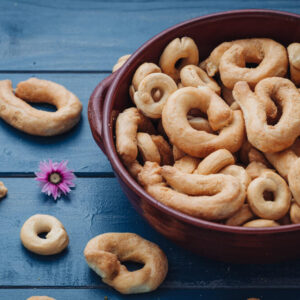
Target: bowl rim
126,177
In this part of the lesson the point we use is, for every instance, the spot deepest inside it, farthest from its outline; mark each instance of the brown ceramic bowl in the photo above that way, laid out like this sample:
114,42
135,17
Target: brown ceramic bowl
217,241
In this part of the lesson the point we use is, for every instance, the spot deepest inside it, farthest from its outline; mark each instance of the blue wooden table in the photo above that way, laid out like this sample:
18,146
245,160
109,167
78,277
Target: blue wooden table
76,43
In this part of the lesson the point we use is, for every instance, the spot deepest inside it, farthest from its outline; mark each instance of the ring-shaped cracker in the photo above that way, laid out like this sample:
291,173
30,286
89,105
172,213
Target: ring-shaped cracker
55,241
294,59
106,252
15,111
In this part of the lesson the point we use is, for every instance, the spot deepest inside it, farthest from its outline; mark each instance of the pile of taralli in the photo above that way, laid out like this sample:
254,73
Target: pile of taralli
218,140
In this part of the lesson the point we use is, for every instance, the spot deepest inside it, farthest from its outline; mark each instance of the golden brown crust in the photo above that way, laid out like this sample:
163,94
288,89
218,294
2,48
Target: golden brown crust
164,149
294,59
121,61
261,223
187,164
3,190
241,216
295,213
40,298
56,240
16,112
147,148
105,253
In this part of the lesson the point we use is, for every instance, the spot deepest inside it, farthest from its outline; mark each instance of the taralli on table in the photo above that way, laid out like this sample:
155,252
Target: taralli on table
241,216
187,164
194,76
15,111
121,61
200,143
294,59
261,223
182,50
230,60
3,190
295,213
147,148
40,298
270,138
127,125
214,162
271,210
106,252
55,241
143,98
211,197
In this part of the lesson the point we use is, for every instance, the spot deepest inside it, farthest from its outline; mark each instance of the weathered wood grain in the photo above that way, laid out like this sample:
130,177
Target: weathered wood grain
91,35
20,152
97,205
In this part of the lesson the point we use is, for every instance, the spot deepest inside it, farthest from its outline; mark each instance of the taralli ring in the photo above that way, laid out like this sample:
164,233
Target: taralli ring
147,148
56,239
271,210
230,59
295,213
264,137
3,190
184,51
106,252
121,61
40,298
294,59
241,216
143,96
220,116
261,223
16,112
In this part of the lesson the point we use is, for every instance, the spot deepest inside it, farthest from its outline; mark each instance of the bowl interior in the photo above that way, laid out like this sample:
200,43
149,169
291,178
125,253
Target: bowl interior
208,32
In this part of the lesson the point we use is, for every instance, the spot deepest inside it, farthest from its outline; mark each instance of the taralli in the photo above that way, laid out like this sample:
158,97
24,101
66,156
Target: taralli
295,213
194,76
127,125
200,143
261,223
294,59
121,61
164,149
211,197
264,137
199,123
249,154
3,190
182,50
143,96
56,239
238,172
16,112
227,95
141,72
230,59
40,298
106,252
214,162
134,168
271,210
287,163
241,216
255,169
147,148
177,153
187,164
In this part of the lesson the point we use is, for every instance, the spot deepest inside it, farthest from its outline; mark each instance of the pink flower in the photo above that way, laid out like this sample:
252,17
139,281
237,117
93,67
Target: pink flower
55,178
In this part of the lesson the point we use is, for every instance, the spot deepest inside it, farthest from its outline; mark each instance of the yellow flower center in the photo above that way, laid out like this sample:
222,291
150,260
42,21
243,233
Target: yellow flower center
55,178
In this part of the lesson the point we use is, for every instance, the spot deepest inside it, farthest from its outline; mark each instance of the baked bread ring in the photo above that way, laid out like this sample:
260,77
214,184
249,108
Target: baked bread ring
187,164
143,96
177,153
261,223
199,123
147,148
210,197
105,253
3,190
121,61
256,168
56,239
127,125
294,59
295,213
241,216
230,59
194,76
214,162
271,210
19,114
200,143
183,51
270,138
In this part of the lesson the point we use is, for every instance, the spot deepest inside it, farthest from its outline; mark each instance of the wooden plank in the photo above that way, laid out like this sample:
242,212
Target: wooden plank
96,294
91,35
97,205
20,152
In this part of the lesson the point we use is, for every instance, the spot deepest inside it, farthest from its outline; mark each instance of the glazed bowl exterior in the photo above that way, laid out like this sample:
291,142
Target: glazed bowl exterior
213,240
